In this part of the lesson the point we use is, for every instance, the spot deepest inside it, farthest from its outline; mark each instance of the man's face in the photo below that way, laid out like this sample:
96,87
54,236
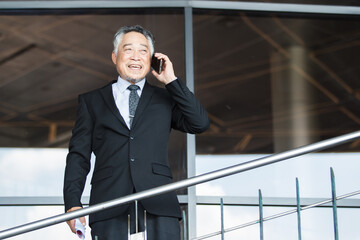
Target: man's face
133,57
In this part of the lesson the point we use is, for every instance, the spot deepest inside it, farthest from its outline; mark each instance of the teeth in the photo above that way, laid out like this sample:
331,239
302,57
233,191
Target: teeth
135,66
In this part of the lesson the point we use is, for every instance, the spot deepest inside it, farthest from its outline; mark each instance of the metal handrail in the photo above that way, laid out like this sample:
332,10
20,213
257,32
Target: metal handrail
180,184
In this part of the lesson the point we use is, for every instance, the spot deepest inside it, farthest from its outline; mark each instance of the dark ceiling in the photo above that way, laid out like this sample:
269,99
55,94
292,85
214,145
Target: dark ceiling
275,82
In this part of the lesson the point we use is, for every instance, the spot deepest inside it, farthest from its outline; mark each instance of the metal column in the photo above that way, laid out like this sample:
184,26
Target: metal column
190,138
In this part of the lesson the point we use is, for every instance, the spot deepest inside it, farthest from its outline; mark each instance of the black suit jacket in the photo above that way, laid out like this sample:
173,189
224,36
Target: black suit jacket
129,160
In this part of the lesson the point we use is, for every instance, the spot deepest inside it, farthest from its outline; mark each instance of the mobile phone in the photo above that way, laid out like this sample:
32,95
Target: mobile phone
157,64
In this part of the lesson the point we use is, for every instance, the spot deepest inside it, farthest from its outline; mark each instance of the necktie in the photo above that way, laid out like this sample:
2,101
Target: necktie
133,101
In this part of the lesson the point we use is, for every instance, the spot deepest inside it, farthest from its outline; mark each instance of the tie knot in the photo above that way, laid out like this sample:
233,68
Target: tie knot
133,87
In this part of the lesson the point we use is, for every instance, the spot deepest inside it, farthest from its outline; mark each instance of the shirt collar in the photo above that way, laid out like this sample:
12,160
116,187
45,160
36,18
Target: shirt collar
122,84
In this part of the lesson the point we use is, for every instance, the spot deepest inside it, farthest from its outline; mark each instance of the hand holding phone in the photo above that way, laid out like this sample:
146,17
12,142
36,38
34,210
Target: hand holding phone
163,68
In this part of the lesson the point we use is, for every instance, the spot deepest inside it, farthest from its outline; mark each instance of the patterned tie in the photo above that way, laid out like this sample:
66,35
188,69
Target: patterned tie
133,101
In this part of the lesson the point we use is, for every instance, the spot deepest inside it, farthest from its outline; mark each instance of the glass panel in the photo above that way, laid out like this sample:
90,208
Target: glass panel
273,82
48,58
280,228
208,221
16,216
317,223
33,172
346,219
278,180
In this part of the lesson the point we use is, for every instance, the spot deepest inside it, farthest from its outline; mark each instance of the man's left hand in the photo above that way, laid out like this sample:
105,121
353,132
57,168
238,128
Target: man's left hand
167,75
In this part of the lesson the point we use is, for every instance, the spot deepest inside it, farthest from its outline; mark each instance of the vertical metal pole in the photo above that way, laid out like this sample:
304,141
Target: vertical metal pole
145,225
222,218
136,217
190,138
333,191
184,225
298,207
189,48
128,227
261,216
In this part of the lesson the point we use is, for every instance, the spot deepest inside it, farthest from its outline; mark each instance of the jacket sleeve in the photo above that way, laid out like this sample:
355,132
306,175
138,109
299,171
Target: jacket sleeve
188,115
78,158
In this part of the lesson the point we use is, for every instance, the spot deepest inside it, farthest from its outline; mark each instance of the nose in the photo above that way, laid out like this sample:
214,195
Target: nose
135,55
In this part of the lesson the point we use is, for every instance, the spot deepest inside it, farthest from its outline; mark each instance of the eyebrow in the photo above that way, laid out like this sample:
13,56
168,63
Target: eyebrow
129,44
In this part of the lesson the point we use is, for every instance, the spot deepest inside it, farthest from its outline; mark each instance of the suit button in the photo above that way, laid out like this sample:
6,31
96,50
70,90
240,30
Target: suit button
131,137
132,159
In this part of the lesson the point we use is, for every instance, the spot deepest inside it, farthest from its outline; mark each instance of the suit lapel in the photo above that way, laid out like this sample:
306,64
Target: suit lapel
108,97
143,102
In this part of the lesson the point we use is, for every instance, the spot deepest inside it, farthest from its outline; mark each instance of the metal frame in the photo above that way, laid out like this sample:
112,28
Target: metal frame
221,5
272,201
190,138
183,199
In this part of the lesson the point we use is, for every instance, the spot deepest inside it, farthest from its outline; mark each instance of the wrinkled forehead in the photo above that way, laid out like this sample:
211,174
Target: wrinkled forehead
134,39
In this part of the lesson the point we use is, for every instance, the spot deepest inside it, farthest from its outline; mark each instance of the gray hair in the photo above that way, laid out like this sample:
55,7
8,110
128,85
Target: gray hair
137,28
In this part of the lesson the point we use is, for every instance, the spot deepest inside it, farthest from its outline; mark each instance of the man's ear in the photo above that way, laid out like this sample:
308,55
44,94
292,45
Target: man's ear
113,57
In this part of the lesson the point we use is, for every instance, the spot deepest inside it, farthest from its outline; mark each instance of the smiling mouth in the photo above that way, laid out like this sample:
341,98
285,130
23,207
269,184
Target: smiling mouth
134,67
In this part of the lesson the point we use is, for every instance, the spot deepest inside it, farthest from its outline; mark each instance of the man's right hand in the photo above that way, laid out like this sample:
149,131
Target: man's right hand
71,223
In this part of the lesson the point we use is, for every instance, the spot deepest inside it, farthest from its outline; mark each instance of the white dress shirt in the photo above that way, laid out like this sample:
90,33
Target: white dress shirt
121,96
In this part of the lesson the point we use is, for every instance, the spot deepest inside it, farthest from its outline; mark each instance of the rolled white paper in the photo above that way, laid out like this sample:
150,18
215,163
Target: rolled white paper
79,229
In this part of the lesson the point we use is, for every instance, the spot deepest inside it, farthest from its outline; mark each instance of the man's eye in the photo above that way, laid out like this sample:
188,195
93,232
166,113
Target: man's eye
127,50
143,51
